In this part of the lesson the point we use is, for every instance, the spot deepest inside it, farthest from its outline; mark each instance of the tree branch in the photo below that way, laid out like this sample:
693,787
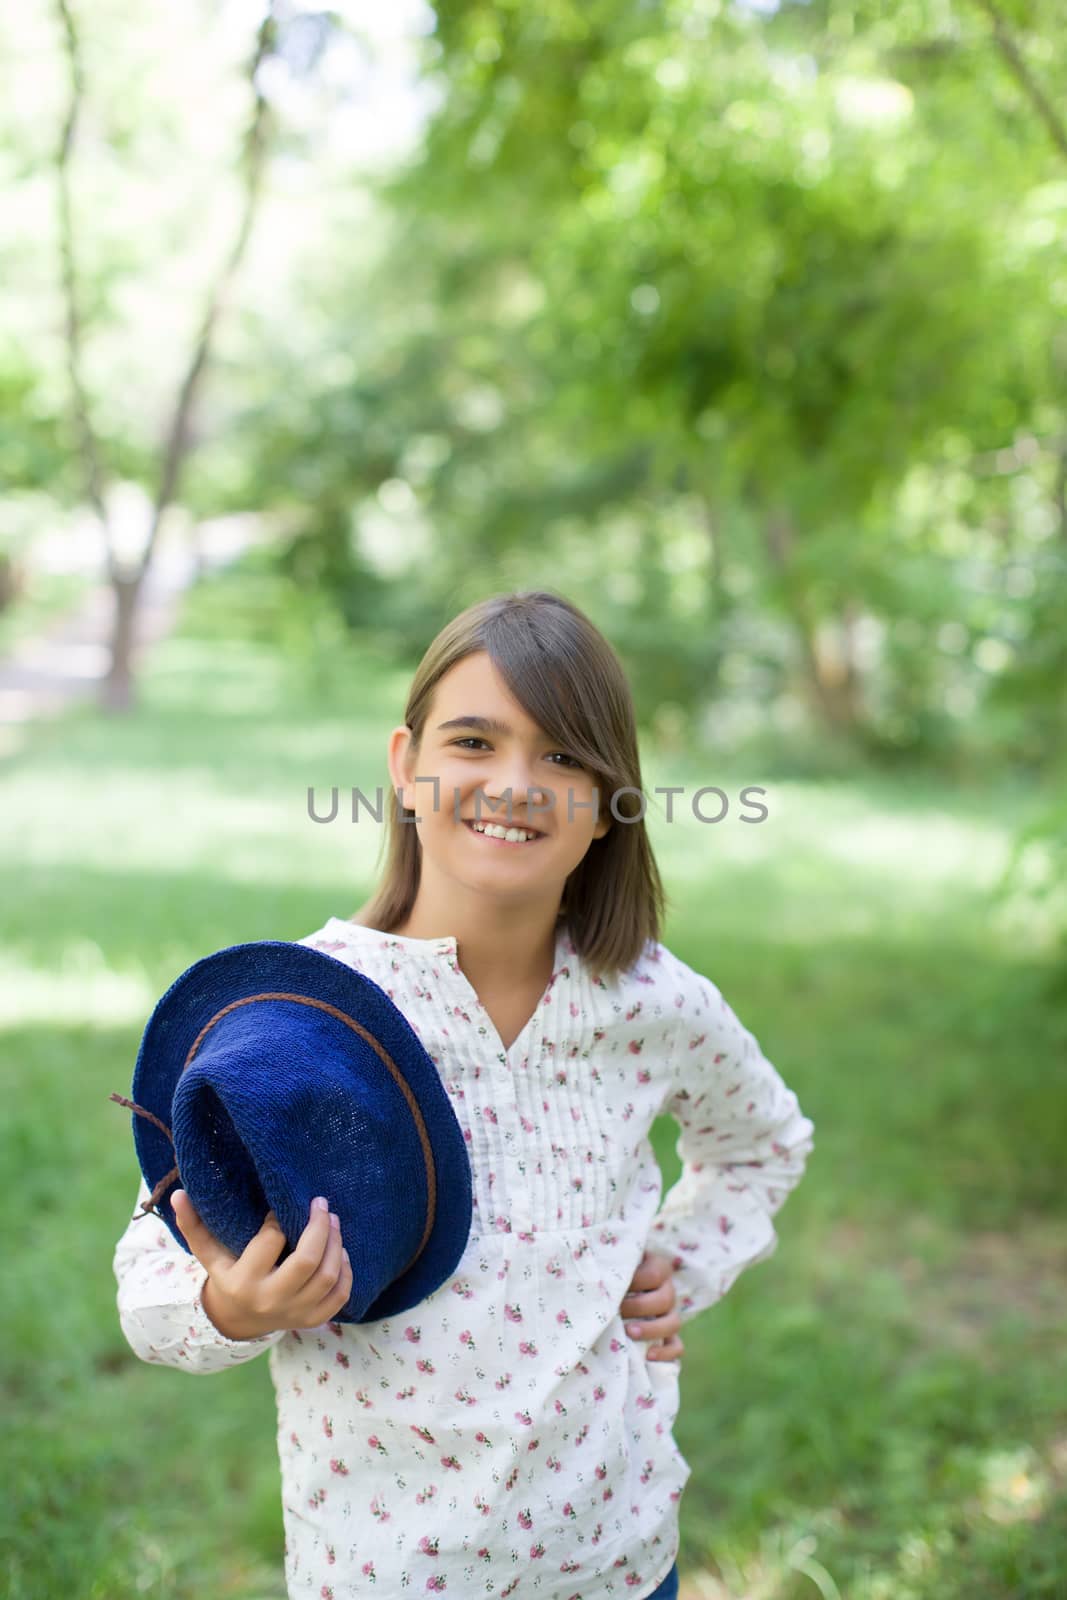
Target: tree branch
1013,56
87,443
253,159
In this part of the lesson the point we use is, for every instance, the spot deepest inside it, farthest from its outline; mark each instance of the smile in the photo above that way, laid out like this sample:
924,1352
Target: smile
491,838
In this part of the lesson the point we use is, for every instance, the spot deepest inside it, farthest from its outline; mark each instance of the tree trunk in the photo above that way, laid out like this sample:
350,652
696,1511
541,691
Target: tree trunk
117,688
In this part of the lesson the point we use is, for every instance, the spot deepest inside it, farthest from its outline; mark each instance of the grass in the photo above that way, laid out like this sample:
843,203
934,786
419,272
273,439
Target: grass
877,1413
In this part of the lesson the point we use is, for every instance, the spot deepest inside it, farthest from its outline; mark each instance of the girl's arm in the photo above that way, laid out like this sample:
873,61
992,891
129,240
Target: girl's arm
159,1304
743,1145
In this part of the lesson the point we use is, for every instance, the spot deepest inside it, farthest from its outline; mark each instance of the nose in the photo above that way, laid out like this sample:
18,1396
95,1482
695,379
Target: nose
527,796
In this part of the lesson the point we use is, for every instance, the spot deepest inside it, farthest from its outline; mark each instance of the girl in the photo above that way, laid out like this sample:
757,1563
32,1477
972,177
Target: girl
512,1434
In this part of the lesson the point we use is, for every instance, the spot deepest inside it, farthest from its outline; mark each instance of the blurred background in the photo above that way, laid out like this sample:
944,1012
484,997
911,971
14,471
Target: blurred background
743,326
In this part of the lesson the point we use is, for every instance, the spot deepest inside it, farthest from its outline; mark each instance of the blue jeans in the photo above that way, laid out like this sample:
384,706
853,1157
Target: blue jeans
668,1589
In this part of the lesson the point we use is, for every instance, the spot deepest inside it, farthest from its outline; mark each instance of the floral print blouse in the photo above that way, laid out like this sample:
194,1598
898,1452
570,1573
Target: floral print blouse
507,1436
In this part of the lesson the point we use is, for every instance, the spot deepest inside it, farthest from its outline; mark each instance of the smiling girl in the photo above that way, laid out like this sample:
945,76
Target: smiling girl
513,1433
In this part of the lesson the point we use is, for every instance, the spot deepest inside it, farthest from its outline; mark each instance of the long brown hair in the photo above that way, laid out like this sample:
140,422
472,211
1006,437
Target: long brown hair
568,679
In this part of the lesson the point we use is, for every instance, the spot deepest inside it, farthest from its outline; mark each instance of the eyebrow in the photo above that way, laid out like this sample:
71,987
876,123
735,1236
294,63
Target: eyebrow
486,724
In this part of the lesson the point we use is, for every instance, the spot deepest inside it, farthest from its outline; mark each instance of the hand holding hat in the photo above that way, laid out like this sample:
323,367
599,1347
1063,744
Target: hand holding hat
249,1295
270,1073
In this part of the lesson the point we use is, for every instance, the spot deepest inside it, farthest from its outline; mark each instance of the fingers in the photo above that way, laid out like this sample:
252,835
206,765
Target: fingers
208,1250
314,1266
670,1350
263,1249
651,1302
654,1267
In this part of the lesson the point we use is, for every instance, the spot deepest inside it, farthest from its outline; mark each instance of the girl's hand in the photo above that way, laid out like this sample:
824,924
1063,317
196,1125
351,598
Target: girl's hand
246,1296
651,1297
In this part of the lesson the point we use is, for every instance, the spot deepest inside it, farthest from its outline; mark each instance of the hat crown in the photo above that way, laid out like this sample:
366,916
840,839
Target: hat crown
282,1074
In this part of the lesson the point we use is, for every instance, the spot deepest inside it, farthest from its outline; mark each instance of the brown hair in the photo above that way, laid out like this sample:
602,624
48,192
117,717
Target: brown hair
568,679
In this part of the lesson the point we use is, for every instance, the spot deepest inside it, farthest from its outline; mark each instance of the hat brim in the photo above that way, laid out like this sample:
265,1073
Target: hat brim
239,971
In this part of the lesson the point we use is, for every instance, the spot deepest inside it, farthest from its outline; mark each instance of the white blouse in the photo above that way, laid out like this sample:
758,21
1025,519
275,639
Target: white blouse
507,1433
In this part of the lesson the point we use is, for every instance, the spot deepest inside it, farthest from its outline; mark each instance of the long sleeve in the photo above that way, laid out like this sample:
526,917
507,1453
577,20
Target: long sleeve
743,1144
159,1305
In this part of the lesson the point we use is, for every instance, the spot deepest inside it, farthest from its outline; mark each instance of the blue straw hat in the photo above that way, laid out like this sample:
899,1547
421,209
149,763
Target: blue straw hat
269,1073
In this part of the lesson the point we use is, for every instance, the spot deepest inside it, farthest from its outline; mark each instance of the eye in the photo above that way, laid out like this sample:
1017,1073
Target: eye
471,738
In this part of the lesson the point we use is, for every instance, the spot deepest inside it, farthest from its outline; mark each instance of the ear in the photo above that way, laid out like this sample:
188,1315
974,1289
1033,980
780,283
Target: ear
401,758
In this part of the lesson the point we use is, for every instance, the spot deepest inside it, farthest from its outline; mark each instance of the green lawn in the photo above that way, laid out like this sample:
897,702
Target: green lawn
878,1412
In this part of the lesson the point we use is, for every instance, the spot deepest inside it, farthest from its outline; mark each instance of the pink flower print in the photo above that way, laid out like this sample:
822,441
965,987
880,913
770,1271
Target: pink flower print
324,1377
331,1555
645,1401
467,1338
524,1519
413,1335
426,1494
405,1394
463,1289
513,1313
369,1572
616,1344
527,1238
561,1409
601,1470
646,1471
554,1269
316,1499
561,1077
424,1434
527,1347
598,1533
465,1397
573,1009
436,1583
365,1402
502,1225
327,1427
569,1566
527,1125
336,1329
295,1442
424,1364
563,1319
481,1438
644,1076
555,1463
634,1011
632,1579
340,1468
483,1506
326,1592
537,1550
502,1382
341,1359
451,1463
525,1418
512,1478
428,1546
634,1046
607,1237
490,1115
694,1044
376,1444
725,1225
484,1553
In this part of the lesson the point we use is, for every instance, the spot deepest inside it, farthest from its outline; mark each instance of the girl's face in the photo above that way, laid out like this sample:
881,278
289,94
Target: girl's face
479,744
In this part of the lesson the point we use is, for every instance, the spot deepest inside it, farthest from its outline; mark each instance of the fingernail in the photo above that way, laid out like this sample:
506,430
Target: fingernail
175,1195
335,1221
633,1328
345,1254
319,1203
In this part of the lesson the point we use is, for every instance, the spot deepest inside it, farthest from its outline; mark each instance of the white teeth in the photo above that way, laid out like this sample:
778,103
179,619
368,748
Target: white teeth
495,831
